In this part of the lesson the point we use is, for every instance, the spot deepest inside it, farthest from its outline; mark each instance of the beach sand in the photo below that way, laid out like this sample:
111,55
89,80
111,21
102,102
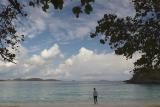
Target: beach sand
144,104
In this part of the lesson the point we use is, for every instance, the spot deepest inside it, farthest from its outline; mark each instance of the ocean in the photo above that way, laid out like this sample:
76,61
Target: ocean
75,92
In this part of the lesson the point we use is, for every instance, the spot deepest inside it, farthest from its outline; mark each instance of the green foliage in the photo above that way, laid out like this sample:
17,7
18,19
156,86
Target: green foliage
147,76
102,41
77,10
58,4
88,9
8,35
85,5
140,33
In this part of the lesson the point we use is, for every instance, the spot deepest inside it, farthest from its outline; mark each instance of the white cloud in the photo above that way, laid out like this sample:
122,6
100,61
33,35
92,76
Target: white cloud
46,56
88,65
38,65
52,52
85,65
66,27
35,23
122,8
37,60
63,25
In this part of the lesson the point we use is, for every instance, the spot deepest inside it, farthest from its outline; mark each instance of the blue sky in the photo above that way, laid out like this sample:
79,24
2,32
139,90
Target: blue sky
57,45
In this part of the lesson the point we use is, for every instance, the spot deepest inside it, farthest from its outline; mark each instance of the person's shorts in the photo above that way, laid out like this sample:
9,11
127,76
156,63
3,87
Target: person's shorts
95,97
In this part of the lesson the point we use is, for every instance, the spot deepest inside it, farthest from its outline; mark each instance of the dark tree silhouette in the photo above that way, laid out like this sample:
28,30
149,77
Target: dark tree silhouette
140,33
8,36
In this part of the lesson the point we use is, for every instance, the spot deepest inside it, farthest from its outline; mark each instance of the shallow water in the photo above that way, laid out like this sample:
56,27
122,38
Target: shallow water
75,92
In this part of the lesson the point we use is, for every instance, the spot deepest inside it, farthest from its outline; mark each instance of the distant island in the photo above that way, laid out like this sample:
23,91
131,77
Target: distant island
30,79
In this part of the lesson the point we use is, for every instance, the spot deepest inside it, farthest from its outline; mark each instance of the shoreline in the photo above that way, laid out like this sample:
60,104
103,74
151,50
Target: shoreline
109,104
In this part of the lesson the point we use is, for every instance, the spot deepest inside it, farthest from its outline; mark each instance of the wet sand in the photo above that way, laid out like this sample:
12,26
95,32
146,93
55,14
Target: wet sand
133,104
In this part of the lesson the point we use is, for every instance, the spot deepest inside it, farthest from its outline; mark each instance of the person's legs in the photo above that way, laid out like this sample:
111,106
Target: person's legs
94,99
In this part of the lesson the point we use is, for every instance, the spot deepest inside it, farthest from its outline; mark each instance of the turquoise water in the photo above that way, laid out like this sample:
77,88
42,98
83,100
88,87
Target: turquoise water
75,92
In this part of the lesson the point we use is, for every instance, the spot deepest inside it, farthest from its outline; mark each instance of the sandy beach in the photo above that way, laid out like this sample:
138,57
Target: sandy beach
132,104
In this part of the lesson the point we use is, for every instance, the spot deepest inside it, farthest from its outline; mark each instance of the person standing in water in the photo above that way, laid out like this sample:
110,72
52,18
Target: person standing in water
95,95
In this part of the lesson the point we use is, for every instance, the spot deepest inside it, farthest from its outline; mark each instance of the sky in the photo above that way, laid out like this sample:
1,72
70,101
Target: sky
57,45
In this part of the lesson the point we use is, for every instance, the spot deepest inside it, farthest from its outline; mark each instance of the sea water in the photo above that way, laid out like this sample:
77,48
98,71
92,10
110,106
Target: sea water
75,92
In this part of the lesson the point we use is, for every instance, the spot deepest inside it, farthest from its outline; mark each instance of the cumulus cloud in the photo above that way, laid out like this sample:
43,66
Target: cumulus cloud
88,65
85,65
37,65
46,56
52,52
